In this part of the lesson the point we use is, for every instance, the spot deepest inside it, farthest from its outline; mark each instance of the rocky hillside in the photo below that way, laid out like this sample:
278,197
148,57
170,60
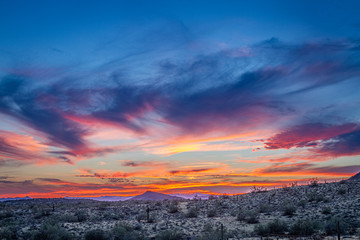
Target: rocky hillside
355,177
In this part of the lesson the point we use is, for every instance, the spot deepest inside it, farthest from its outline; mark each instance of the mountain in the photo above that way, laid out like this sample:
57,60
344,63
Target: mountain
356,177
154,196
12,199
103,198
192,196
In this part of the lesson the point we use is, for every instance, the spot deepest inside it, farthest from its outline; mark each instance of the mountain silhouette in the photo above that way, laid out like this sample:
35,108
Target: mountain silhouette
356,177
154,196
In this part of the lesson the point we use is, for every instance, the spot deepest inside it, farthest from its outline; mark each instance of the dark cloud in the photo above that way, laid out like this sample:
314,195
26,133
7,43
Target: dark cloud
306,168
20,102
53,180
321,140
308,135
189,171
347,144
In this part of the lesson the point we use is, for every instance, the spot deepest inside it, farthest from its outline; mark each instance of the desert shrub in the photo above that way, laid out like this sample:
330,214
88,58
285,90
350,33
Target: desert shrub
289,209
51,231
275,227
6,214
8,233
249,216
192,213
302,203
123,231
210,232
330,226
170,235
141,216
212,212
212,197
96,234
314,182
313,197
173,208
326,210
258,189
305,227
81,215
264,208
68,218
342,191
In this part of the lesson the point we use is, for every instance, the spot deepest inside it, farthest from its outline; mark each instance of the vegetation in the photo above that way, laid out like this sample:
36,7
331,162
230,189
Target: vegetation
305,227
170,235
275,227
305,211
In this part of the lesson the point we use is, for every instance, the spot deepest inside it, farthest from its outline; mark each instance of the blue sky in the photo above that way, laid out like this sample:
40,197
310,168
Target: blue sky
176,96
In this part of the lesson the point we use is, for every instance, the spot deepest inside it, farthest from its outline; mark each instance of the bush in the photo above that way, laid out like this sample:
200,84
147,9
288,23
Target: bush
81,216
275,227
250,216
326,210
6,214
330,226
8,233
211,233
264,208
170,235
212,212
96,234
302,203
289,209
342,191
192,213
314,182
51,231
305,227
123,231
173,208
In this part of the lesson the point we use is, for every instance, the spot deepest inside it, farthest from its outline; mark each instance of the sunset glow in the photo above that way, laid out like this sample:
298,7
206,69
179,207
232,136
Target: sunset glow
200,97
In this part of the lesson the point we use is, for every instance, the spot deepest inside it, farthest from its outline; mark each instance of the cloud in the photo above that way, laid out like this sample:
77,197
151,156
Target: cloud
192,171
17,150
210,95
308,135
18,102
306,169
320,140
347,144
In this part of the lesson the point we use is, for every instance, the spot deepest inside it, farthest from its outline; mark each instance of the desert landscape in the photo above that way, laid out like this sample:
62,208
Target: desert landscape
313,211
179,120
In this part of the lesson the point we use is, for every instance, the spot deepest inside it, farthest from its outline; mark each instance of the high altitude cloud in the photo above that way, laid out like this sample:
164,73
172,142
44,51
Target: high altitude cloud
19,100
220,93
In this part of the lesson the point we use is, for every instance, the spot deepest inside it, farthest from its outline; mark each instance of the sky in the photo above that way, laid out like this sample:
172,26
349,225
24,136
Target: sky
120,97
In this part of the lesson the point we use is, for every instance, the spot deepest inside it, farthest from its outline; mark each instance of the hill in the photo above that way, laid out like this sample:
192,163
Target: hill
154,196
356,177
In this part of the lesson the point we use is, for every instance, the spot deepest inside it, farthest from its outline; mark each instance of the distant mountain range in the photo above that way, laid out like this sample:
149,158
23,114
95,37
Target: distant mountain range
149,195
103,198
193,196
16,198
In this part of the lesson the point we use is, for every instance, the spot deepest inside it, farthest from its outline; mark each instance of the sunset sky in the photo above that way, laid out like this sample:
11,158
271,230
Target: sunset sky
120,97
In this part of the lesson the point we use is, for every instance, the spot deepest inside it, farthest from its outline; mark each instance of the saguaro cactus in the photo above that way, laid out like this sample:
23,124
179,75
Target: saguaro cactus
148,214
222,232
